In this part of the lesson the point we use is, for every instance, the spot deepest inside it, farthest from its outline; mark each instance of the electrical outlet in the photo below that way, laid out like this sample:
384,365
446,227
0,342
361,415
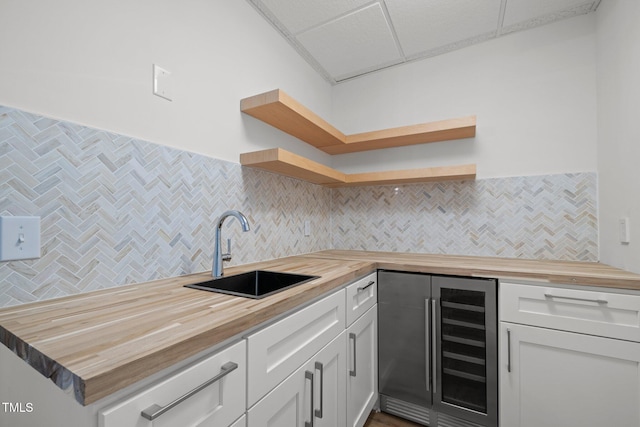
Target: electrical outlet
19,237
307,228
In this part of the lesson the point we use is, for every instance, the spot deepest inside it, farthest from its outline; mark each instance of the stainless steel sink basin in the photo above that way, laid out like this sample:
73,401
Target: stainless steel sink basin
253,284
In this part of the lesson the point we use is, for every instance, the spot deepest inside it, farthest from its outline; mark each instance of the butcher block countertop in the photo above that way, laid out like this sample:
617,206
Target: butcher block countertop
100,342
561,272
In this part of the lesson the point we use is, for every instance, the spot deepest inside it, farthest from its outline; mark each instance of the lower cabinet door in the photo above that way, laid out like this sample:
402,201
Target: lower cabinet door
362,369
313,396
557,378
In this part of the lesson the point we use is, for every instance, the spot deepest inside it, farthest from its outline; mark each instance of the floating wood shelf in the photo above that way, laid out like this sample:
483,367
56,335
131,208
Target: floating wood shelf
285,163
285,113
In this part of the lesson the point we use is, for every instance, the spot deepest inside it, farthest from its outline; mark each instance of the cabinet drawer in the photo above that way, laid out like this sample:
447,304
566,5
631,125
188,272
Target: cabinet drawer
219,404
361,296
279,349
585,311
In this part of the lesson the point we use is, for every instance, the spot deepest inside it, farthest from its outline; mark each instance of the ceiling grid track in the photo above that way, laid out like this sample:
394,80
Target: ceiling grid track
335,18
394,33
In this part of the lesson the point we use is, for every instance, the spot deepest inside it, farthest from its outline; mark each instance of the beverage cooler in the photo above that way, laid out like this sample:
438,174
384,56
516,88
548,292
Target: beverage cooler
438,349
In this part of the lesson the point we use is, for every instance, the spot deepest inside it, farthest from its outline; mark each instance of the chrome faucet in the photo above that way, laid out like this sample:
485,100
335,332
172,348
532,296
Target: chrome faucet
218,256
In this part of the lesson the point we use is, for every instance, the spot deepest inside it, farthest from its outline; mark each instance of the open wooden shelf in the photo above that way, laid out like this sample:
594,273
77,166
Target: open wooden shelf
410,176
285,163
283,112
288,164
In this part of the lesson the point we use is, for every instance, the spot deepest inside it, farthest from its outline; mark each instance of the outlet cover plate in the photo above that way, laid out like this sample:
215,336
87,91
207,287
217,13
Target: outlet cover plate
162,83
19,237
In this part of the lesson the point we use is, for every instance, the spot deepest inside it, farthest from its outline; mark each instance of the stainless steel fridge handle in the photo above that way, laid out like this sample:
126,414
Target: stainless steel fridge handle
427,316
308,375
508,350
352,336
434,349
154,411
320,367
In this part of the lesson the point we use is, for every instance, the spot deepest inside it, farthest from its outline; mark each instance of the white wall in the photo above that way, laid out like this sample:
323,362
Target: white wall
534,94
90,62
618,130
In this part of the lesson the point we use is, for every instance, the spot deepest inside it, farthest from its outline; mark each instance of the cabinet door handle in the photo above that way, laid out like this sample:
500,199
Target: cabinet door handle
154,411
434,343
596,300
320,368
352,336
508,350
365,287
308,375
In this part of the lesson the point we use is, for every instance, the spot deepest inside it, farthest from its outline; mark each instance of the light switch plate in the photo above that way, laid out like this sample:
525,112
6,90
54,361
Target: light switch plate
19,237
162,83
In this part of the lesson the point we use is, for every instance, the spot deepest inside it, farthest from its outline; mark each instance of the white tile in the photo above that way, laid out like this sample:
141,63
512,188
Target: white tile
299,15
422,26
357,41
518,11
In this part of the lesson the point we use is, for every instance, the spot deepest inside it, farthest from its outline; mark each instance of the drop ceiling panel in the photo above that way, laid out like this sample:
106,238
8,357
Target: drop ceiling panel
299,15
355,42
342,39
423,26
518,11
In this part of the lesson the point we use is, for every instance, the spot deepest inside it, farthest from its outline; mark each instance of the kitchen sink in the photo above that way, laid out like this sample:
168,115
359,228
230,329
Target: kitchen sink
253,284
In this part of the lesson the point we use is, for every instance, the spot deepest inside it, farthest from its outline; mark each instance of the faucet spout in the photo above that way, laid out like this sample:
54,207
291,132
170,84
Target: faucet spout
218,256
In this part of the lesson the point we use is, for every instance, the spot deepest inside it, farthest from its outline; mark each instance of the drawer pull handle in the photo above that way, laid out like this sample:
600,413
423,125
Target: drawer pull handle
508,350
360,289
309,376
352,372
320,368
154,411
596,300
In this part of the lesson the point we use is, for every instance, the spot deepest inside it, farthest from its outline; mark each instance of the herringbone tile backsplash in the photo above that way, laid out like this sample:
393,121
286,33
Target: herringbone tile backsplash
116,210
535,217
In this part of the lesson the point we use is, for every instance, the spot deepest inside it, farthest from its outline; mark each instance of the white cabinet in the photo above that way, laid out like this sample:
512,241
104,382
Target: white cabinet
340,380
210,393
362,349
361,296
555,377
362,375
314,395
279,349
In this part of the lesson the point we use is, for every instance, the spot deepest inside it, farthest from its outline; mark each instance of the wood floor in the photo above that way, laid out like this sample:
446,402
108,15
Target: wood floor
380,419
